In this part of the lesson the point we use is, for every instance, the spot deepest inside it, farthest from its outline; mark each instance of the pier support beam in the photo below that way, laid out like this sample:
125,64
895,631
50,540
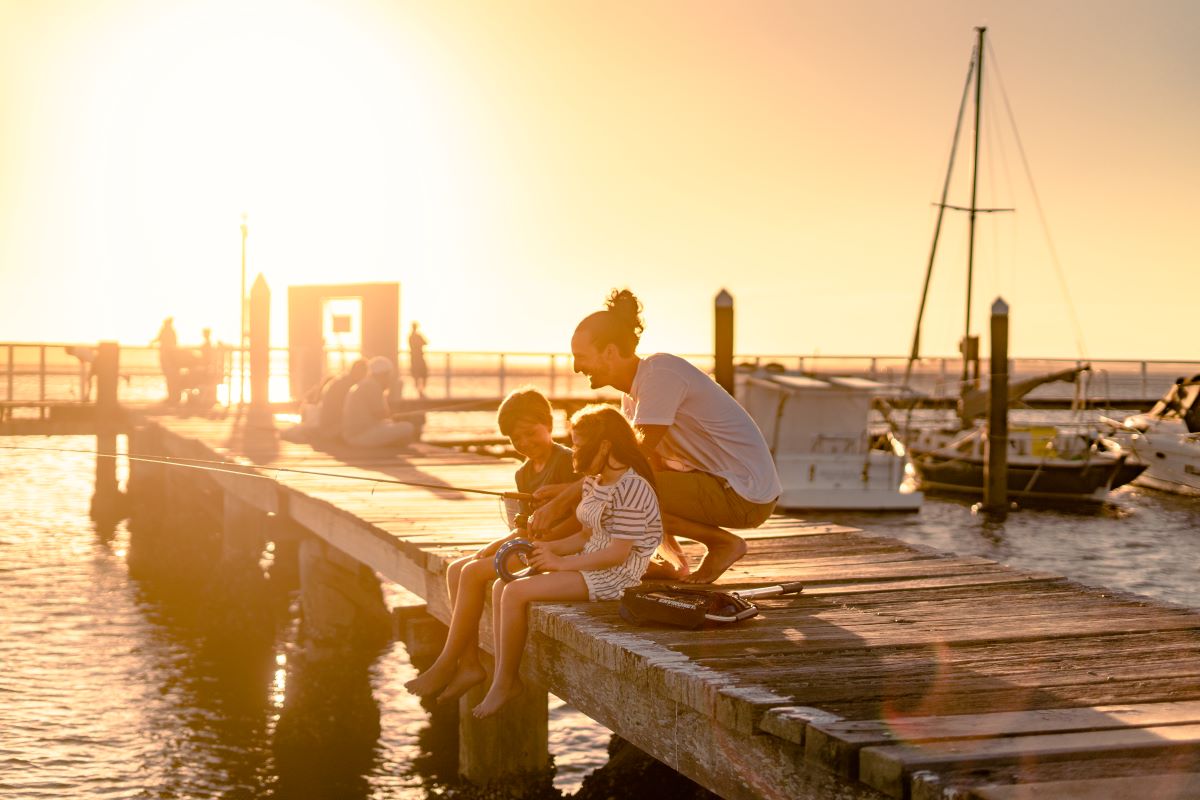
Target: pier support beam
241,608
341,601
514,742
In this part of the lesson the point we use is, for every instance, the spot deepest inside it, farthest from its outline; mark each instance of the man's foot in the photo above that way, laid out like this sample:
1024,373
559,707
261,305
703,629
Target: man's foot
718,559
467,676
496,697
431,680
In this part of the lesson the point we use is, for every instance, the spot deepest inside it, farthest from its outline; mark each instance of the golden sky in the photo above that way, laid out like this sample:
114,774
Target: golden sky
508,163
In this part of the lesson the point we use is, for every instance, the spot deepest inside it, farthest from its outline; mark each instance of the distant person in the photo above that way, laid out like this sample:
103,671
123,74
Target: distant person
205,374
168,359
332,399
366,417
416,354
87,363
712,467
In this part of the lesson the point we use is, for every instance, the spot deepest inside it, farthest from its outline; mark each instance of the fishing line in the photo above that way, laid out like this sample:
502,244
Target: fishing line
199,463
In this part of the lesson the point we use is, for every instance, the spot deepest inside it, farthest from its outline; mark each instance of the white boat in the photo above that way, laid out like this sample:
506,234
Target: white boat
1166,439
817,432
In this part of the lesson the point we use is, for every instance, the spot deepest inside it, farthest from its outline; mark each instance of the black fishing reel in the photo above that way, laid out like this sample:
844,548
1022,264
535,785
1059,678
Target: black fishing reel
512,560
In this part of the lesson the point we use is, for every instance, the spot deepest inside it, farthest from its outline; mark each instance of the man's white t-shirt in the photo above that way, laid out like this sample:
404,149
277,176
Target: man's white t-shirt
707,430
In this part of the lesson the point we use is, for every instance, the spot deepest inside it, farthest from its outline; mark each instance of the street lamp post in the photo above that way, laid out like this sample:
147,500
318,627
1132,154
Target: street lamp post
242,341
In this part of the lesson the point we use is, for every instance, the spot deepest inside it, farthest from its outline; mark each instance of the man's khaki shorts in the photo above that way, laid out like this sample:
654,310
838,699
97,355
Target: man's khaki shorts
702,497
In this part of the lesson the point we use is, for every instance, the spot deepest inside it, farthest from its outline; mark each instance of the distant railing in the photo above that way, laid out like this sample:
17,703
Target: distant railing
46,372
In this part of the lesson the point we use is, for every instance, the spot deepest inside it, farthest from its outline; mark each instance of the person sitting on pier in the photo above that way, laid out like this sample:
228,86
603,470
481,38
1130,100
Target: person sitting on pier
622,527
712,465
366,417
332,399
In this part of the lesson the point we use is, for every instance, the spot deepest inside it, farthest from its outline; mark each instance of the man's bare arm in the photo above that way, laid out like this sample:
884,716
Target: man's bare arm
651,435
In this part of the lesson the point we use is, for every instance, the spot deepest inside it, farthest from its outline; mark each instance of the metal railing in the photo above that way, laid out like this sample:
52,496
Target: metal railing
46,372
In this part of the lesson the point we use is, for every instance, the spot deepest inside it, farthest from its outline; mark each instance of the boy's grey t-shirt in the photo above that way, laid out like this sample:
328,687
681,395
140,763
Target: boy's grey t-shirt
559,469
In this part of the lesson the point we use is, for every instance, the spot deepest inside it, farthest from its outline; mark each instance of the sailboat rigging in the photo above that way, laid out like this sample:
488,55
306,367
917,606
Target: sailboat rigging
1043,464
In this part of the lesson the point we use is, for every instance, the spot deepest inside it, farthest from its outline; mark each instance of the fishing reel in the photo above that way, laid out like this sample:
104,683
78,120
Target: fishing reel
512,560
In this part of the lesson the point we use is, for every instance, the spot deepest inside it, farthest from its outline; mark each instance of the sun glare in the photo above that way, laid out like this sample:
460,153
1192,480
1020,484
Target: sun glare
334,144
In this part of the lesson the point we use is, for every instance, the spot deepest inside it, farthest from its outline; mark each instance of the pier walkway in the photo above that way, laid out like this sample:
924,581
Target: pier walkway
900,671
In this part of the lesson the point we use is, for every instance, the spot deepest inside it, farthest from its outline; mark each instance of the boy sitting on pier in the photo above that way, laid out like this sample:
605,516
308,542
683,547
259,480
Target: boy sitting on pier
526,418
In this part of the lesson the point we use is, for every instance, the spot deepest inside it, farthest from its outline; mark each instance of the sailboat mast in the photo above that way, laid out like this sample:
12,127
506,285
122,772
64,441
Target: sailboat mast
974,184
915,353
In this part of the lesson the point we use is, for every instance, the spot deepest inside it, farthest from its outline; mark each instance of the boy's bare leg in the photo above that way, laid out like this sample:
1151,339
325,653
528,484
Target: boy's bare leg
470,672
464,629
724,548
453,573
513,600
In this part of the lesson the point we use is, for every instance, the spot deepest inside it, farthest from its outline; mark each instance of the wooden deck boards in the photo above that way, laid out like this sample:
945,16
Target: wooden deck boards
900,670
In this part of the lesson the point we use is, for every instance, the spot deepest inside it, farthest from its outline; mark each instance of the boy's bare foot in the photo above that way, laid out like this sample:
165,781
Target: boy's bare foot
467,676
496,697
718,559
430,681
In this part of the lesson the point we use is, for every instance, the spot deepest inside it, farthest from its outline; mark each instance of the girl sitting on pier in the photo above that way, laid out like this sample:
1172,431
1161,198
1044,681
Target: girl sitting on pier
621,530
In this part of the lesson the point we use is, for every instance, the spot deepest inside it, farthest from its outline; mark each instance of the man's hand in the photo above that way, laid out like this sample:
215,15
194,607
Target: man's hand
554,510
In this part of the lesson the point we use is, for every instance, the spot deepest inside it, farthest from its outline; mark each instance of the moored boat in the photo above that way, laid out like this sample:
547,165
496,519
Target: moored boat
1165,440
816,429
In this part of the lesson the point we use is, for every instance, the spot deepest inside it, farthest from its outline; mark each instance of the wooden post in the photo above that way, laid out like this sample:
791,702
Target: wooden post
512,742
260,351
995,498
723,346
106,501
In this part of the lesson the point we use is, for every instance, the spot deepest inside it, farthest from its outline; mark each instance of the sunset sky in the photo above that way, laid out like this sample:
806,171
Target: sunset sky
508,163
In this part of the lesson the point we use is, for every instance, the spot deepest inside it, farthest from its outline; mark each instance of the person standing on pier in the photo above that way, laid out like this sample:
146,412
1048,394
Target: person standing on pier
711,464
168,358
416,355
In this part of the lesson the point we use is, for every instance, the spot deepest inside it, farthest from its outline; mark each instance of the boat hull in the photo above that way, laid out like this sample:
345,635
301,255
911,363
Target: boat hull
843,482
1049,480
1172,459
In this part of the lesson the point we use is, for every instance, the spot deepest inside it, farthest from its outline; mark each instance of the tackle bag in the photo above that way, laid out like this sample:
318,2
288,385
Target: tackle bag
690,607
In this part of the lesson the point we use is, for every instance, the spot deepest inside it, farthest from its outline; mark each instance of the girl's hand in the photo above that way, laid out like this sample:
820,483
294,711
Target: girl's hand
545,559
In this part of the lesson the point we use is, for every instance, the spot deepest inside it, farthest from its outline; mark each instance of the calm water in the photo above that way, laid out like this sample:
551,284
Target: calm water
107,691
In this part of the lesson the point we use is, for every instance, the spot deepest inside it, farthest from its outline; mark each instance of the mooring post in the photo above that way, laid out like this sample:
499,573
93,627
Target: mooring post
995,498
260,352
106,501
723,346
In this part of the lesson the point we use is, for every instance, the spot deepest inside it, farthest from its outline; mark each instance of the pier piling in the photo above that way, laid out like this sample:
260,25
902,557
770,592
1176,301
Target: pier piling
996,484
107,506
723,346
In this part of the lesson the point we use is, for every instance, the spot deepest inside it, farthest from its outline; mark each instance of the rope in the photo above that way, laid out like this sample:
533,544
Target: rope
1037,201
199,463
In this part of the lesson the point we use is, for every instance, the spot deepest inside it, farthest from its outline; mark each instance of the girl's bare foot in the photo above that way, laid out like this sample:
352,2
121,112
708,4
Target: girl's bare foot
496,697
431,680
467,676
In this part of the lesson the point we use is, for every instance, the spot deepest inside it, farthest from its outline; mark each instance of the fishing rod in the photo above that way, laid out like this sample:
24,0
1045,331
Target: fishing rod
200,464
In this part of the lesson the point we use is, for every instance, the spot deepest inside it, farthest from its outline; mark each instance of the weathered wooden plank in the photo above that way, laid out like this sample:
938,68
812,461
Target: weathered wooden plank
886,768
835,745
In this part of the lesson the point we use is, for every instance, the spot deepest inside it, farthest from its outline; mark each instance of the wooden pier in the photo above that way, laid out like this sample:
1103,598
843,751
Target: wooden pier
900,671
